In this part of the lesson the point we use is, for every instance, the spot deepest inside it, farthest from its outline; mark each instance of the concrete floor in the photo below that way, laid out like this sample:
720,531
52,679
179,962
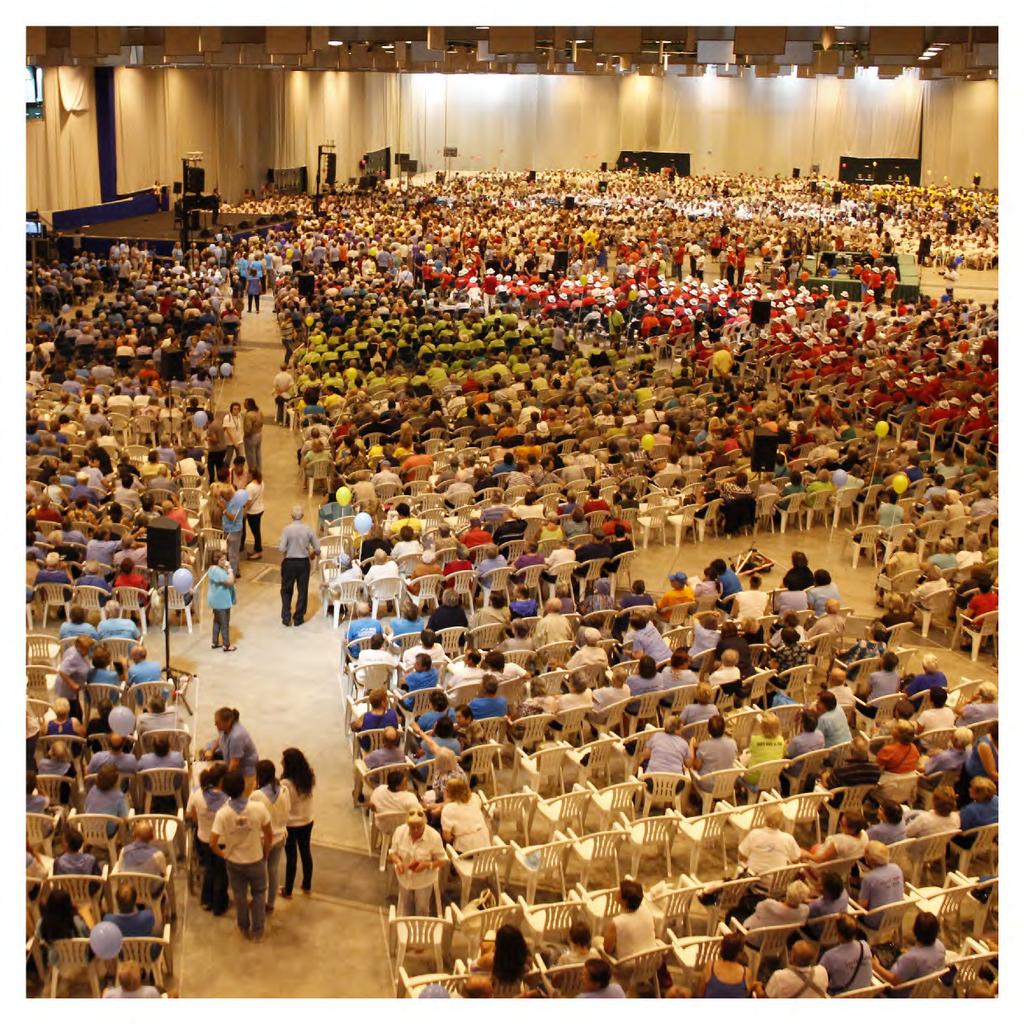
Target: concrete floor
285,683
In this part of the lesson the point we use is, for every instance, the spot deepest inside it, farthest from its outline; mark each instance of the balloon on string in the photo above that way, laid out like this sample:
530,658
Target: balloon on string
647,441
833,272
105,940
309,321
200,420
225,369
804,275
882,428
344,496
900,482
214,372
839,477
363,523
122,720
182,581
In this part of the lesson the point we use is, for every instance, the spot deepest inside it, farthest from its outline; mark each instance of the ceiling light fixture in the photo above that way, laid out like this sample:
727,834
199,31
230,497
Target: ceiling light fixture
335,42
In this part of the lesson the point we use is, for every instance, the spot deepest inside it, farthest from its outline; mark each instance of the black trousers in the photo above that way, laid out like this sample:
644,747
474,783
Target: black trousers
214,460
254,523
297,845
294,573
215,879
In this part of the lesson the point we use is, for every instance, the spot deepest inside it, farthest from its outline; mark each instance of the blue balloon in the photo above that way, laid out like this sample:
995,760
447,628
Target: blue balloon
105,940
122,720
363,523
214,372
839,477
182,581
225,369
200,420
833,272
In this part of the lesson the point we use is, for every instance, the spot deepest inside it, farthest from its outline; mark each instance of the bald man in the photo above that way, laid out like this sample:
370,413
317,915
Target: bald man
831,623
141,854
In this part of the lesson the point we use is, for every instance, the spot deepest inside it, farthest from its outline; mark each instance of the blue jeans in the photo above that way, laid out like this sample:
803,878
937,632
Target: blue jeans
222,626
246,878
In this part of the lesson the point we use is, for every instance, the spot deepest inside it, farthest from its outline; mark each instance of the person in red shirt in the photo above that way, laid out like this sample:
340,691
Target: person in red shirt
461,563
45,512
475,535
129,576
983,602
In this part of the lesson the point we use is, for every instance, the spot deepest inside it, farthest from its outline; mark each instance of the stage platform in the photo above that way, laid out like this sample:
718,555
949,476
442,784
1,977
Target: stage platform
160,234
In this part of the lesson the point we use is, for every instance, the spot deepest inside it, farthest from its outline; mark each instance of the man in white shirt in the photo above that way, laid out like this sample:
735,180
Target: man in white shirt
244,829
417,852
394,795
802,979
750,604
382,568
768,848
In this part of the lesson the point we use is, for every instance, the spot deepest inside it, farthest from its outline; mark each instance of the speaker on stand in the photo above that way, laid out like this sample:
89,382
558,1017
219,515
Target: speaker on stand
561,264
163,553
766,447
569,203
307,284
761,312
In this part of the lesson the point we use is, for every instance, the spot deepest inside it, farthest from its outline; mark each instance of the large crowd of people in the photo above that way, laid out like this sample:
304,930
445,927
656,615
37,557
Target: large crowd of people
505,402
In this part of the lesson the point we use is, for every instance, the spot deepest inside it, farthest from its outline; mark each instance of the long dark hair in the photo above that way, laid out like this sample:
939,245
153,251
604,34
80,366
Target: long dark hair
295,768
58,918
510,954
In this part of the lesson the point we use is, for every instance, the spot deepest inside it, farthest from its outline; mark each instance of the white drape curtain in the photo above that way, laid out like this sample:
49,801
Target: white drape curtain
961,124
246,121
61,160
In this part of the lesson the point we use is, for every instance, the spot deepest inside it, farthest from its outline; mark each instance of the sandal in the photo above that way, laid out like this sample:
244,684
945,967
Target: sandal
228,650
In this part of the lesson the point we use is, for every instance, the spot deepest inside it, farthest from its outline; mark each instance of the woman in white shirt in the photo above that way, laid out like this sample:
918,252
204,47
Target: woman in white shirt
633,930
462,818
277,800
298,778
254,514
233,431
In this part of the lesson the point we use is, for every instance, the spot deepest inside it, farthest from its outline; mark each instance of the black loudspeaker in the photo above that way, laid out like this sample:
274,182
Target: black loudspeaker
439,178
602,186
604,166
367,181
796,172
171,364
163,544
306,282
332,167
570,203
261,222
176,188
761,312
977,181
195,179
270,175
531,176
561,264
951,226
193,220
837,196
766,446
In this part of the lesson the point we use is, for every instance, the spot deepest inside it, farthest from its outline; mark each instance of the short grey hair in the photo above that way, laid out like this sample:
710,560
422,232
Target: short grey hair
297,512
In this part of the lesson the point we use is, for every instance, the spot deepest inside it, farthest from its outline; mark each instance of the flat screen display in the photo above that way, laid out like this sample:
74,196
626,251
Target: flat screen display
33,92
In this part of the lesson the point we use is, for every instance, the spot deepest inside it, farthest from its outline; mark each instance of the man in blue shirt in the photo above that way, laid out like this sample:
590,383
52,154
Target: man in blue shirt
132,923
363,626
882,885
832,723
141,670
233,522
77,625
115,626
488,704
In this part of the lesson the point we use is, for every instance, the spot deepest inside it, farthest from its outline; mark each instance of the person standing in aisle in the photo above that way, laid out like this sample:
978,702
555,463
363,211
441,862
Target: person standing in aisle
232,523
252,435
234,432
221,596
297,544
254,515
253,289
298,779
277,800
216,447
243,826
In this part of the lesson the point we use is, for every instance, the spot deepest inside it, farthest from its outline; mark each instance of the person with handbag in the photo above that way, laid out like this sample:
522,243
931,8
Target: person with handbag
848,963
220,597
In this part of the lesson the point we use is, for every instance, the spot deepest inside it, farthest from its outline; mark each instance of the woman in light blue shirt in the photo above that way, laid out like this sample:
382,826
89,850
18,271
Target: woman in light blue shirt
824,590
220,597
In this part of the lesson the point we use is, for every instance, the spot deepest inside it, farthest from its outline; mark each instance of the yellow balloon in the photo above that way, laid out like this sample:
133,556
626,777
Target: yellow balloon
882,428
647,441
900,482
429,247
344,496
309,321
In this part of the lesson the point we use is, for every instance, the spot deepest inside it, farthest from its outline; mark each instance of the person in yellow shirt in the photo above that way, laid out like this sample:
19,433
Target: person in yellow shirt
722,360
679,592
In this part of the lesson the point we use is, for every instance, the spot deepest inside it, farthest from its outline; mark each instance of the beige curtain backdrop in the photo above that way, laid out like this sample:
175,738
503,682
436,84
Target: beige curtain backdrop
61,162
245,121
961,125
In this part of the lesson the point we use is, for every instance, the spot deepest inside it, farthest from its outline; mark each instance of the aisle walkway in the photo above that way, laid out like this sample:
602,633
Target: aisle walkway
285,684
